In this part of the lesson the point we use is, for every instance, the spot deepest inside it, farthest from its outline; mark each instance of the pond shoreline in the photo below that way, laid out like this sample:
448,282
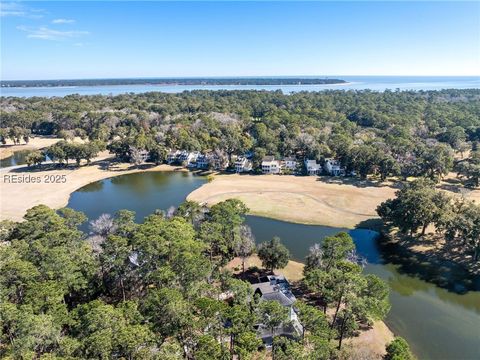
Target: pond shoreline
432,250
286,199
309,200
23,187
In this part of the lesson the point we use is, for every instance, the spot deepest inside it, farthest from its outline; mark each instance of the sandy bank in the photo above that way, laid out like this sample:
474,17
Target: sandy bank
307,200
17,198
293,271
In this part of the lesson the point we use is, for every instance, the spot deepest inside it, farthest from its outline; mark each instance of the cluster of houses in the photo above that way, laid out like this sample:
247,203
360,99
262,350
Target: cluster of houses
243,164
197,160
291,165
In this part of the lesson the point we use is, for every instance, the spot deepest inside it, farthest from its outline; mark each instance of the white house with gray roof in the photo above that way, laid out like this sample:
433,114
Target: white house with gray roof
312,167
277,288
270,165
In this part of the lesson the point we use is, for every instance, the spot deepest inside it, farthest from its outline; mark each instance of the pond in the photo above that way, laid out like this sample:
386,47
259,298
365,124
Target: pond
436,308
18,158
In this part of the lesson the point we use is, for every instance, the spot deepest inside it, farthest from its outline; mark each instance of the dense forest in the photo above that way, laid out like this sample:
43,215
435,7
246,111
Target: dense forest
384,134
175,81
160,289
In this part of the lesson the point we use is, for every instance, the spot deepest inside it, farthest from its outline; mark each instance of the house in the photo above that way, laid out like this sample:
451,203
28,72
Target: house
312,167
187,157
203,161
193,157
290,164
333,167
144,155
242,164
172,156
270,165
277,288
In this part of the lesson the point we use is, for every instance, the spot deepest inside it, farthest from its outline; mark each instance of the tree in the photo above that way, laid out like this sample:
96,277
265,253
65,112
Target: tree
158,154
363,159
230,214
116,264
56,153
136,157
416,206
223,220
470,169
454,136
192,211
398,349
312,320
245,245
36,335
437,160
72,218
388,166
208,347
247,343
218,247
103,226
107,331
242,320
169,313
90,150
335,249
273,254
335,276
124,223
462,224
34,158
314,259
286,349
272,315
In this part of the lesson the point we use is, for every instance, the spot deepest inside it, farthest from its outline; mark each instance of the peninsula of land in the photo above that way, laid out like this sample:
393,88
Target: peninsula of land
176,81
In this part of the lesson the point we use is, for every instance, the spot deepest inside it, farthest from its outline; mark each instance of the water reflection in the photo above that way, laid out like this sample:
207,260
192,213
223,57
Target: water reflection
445,274
435,308
141,192
438,311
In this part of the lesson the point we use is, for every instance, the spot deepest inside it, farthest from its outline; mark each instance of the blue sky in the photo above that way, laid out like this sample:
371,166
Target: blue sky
56,40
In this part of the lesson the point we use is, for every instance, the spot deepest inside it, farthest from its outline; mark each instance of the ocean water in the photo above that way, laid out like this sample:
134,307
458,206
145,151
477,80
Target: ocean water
375,83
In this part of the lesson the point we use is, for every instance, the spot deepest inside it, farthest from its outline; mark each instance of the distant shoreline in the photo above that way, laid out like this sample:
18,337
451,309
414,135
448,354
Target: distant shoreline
257,81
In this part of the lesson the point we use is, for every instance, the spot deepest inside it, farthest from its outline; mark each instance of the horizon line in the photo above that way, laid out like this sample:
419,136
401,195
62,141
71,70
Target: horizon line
232,77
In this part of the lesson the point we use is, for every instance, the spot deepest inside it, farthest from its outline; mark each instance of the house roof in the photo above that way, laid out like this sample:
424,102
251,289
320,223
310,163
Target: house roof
264,287
312,164
280,297
275,289
268,158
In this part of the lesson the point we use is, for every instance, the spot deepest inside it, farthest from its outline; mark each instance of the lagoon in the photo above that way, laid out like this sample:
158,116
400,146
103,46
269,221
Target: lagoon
437,309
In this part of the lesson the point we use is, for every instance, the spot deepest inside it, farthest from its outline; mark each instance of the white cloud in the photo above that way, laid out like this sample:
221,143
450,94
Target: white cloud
63,21
45,33
19,10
